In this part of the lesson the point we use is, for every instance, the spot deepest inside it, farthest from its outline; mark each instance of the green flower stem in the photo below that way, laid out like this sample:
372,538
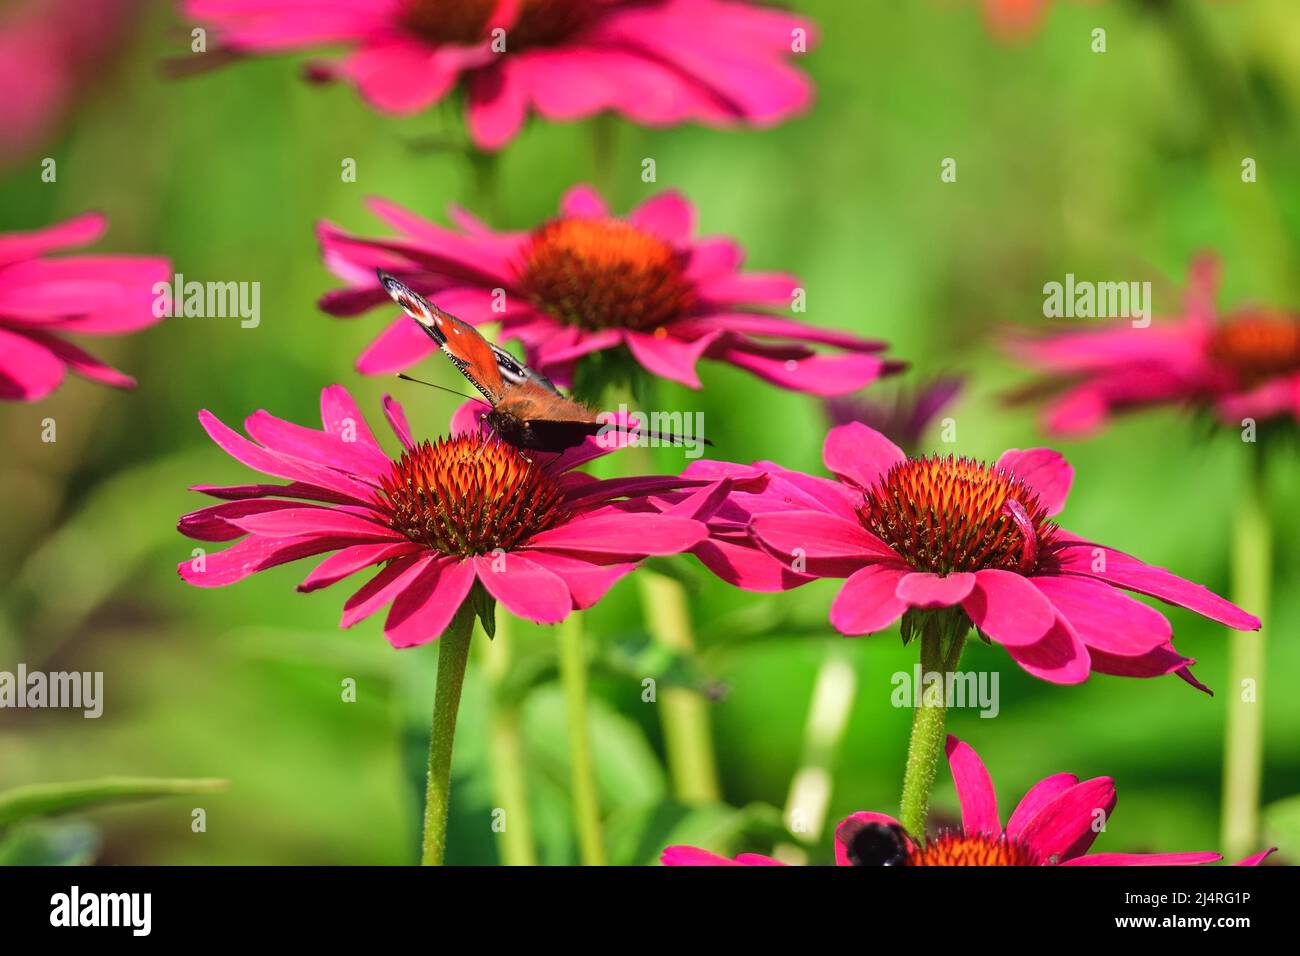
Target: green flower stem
1244,732
505,753
453,652
487,185
942,639
688,738
586,804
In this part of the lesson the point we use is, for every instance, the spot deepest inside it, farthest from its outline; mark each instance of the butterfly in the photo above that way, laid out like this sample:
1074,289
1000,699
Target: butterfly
528,411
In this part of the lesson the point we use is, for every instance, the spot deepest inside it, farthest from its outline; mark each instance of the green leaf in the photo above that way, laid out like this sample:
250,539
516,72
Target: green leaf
45,799
42,843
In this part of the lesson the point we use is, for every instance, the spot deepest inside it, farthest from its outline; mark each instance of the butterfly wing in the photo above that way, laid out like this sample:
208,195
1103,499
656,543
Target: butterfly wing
476,358
515,372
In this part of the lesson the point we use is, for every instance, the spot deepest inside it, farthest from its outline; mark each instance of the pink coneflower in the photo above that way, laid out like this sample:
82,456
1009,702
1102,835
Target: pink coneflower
43,298
541,539
50,52
658,62
588,282
1054,824
1245,364
957,542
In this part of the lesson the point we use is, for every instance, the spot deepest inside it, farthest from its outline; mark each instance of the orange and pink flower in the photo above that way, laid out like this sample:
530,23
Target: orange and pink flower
587,282
542,539
1054,824
657,62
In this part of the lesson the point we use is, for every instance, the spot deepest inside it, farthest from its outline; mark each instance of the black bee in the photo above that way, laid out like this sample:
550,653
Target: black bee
875,844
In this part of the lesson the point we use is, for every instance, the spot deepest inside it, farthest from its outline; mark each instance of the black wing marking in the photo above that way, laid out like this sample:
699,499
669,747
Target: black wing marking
517,373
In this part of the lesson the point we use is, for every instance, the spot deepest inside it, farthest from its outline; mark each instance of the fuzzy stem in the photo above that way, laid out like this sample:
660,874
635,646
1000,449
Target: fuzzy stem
505,753
453,653
1244,732
586,804
688,739
938,633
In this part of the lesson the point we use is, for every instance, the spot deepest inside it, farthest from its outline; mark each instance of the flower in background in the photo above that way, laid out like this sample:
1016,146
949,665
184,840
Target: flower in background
1245,364
903,418
541,539
658,62
50,51
970,541
587,282
1012,20
1054,824
43,298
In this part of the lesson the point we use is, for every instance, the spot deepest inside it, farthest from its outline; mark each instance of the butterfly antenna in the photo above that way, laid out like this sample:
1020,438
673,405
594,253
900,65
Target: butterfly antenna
442,388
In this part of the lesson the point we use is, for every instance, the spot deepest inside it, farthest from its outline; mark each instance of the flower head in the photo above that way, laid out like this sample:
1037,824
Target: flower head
973,539
587,282
1243,364
1054,824
654,61
542,539
43,298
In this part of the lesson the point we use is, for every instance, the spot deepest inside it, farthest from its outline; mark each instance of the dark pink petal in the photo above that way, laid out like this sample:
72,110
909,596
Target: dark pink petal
292,522
627,535
693,856
214,523
252,555
1104,617
398,347
1257,858
396,416
737,561
669,357
383,587
82,362
850,824
1156,662
344,563
867,602
284,25
401,75
1039,795
1142,859
1006,607
27,371
859,454
286,438
979,802
821,539
583,202
668,215
1043,470
524,587
1077,556
1059,656
1066,826
925,590
424,608
341,418
587,582
295,489
712,257
498,102
749,323
79,231
808,372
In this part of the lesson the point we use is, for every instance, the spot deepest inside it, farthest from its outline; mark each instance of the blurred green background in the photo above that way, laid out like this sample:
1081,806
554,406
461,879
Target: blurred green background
1112,165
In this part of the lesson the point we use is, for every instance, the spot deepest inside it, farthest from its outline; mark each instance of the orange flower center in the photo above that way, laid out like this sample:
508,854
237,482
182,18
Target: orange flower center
956,514
1257,345
604,273
465,22
469,495
957,849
